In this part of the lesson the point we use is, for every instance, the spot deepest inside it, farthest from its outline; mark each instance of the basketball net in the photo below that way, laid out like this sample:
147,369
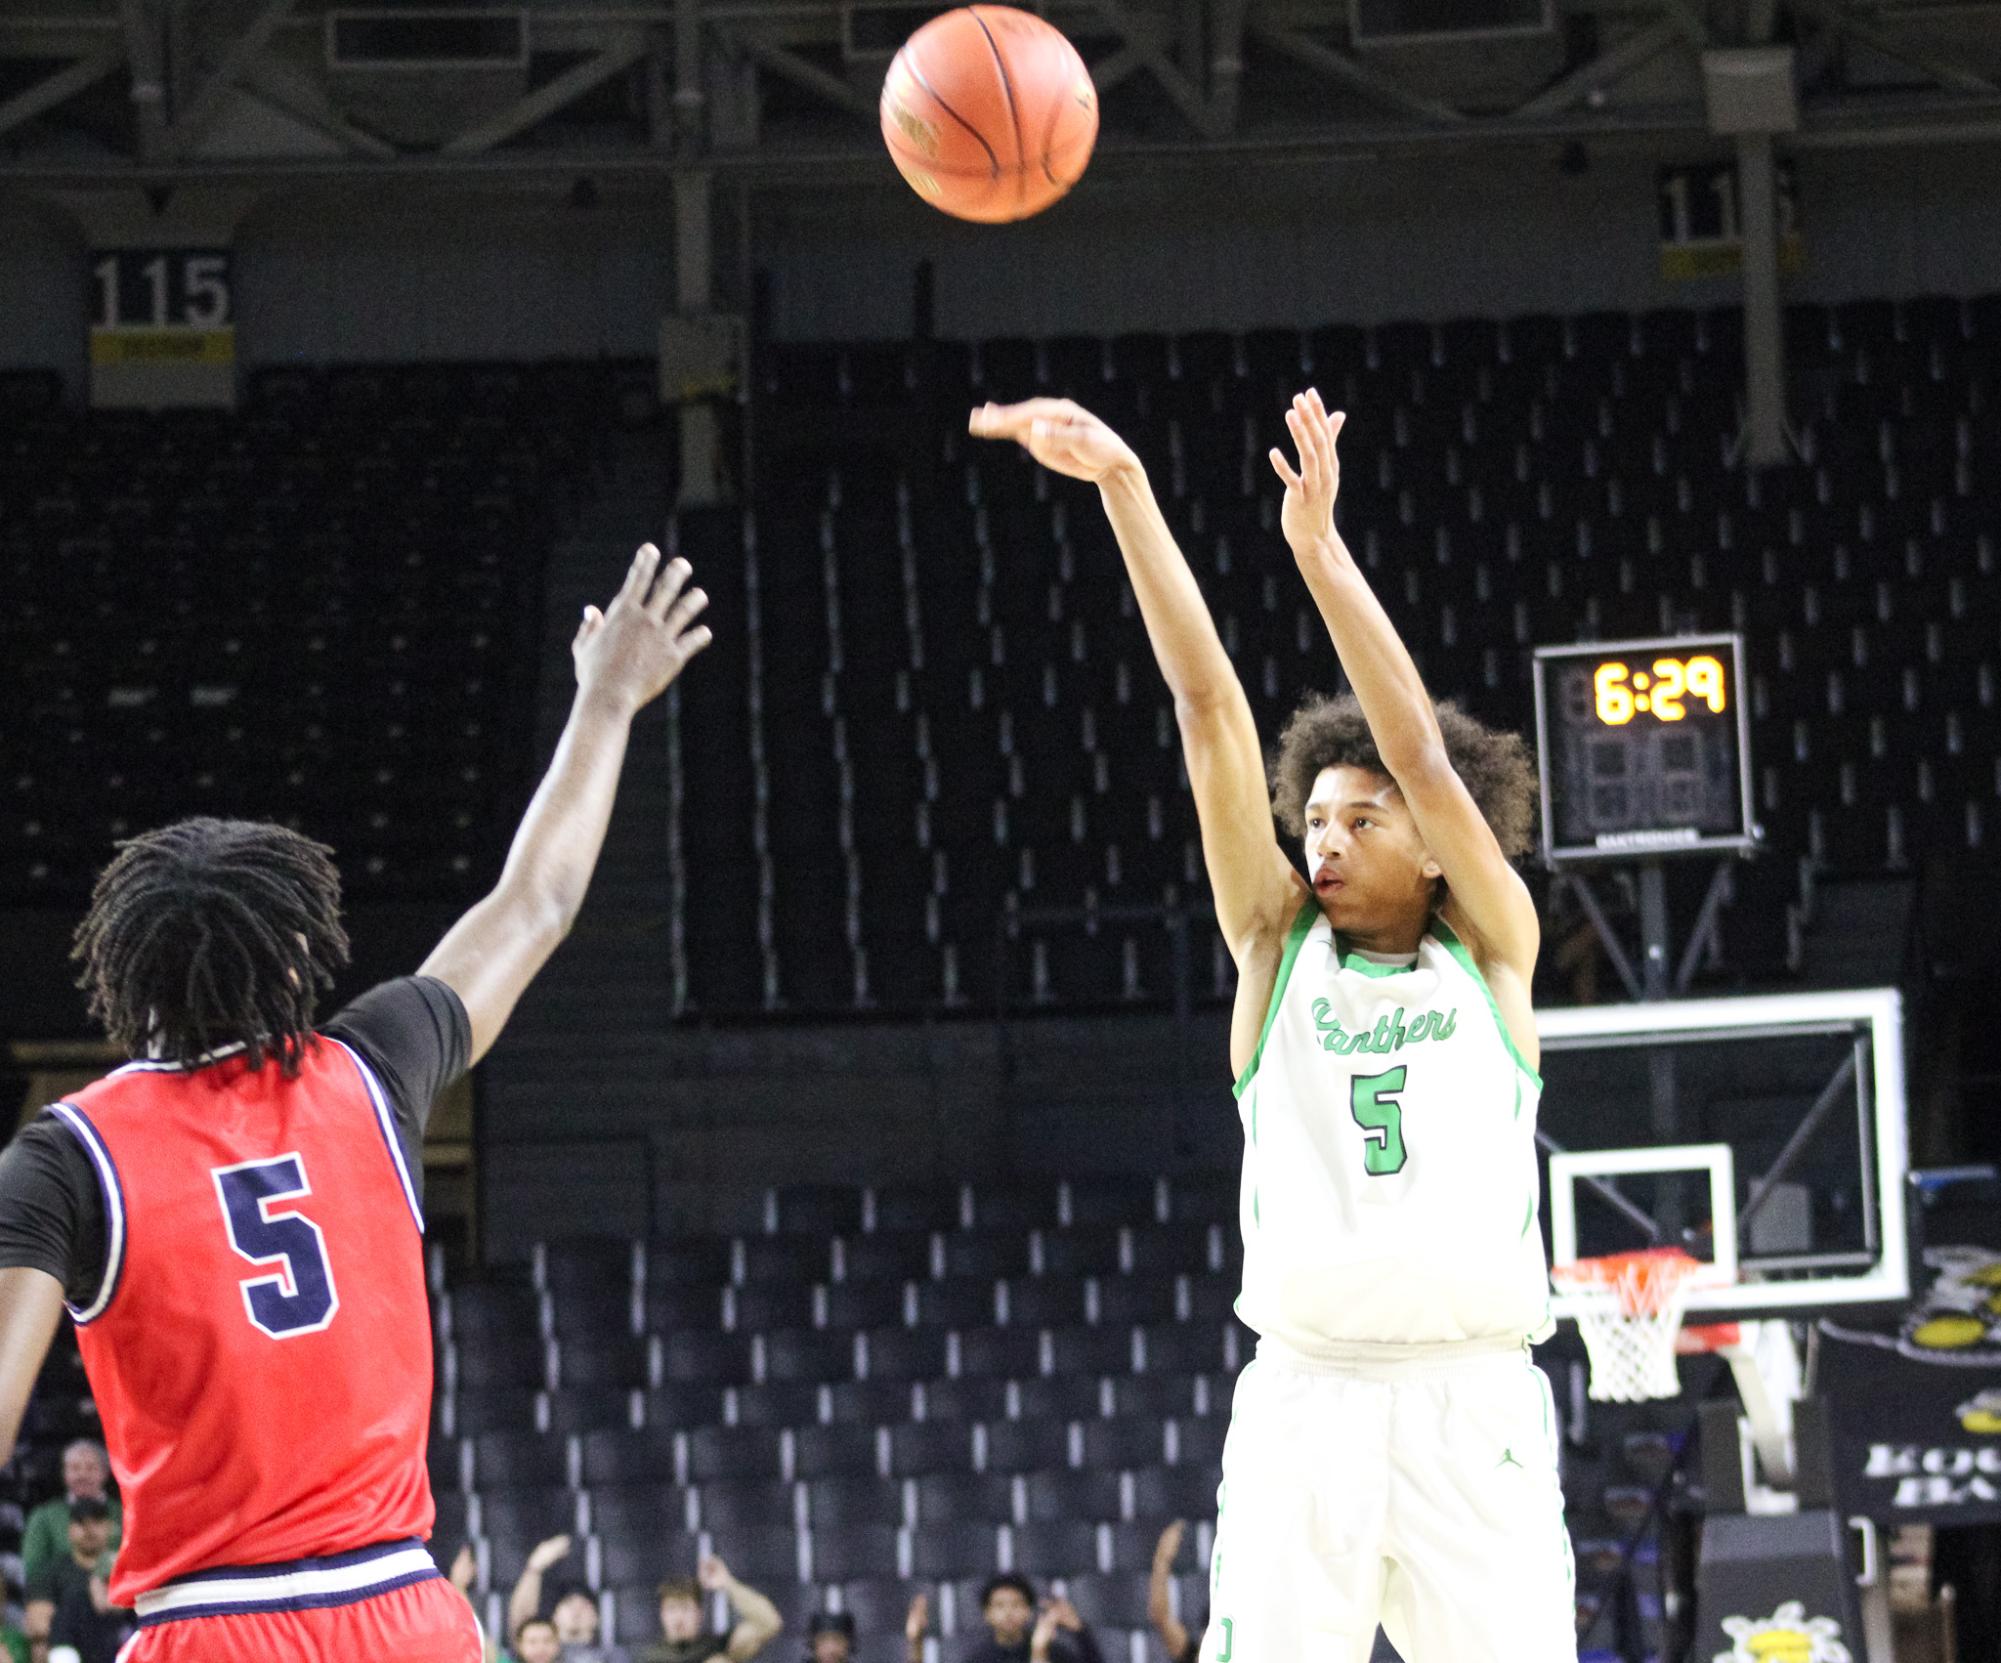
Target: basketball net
1631,1329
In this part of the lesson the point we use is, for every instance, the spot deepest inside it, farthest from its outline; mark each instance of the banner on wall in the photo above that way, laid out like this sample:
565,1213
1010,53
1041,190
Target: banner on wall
163,327
1916,1400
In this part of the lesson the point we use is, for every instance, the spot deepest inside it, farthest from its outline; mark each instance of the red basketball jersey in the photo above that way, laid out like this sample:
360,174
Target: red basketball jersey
260,1347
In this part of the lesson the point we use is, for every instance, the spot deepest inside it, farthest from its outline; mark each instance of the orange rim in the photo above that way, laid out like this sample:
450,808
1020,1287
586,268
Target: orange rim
1643,1281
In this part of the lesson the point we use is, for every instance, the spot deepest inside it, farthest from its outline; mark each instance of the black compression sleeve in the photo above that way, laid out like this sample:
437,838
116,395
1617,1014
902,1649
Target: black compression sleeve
414,1034
51,1210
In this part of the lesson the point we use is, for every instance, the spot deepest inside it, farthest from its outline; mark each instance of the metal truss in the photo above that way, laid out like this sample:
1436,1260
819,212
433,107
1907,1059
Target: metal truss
139,91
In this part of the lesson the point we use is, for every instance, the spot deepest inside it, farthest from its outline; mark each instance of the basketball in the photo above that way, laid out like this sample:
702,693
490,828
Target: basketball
989,113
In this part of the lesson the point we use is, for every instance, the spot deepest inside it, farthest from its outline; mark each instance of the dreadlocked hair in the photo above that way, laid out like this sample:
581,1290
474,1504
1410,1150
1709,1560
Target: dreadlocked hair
209,933
1332,733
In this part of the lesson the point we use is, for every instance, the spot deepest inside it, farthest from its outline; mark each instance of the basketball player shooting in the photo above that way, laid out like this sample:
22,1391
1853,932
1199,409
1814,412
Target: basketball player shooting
234,1217
1392,1449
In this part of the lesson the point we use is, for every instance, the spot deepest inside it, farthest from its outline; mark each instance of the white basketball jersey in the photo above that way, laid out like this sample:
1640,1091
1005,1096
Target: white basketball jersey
1390,1190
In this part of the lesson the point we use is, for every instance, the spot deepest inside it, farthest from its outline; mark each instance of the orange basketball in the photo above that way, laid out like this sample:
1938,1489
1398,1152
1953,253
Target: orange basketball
989,113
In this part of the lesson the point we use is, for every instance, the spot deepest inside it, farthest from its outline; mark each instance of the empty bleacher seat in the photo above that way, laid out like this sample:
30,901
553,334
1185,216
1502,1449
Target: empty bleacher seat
852,1552
1026,1446
733,1452
925,1447
628,1455
638,1510
856,1499
835,1451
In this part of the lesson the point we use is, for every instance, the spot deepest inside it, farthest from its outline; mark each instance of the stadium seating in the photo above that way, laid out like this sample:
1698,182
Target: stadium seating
930,766
1036,1419
321,608
939,766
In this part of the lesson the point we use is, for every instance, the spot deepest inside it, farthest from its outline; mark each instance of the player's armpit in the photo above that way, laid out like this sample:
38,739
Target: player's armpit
31,1305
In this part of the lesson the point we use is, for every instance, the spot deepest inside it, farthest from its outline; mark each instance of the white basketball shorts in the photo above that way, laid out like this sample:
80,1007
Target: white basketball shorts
1421,1493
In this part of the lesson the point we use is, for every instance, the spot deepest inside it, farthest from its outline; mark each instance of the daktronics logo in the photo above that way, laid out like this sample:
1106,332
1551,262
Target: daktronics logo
1944,1477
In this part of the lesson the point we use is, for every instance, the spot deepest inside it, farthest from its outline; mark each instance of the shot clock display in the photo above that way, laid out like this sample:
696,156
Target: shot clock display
1643,748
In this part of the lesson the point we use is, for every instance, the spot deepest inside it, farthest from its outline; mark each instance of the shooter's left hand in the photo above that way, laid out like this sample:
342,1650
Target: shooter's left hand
1307,519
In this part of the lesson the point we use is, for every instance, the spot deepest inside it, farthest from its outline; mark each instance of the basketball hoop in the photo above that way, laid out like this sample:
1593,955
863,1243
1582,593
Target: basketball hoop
1630,1317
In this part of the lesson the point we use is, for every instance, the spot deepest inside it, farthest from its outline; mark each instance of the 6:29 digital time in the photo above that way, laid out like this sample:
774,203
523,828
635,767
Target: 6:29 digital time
1662,690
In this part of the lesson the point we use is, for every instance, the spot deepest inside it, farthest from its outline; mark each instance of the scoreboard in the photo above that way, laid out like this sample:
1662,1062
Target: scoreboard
1643,748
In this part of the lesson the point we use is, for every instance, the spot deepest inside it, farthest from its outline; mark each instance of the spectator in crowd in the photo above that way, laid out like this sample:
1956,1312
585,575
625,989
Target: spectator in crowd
463,1574
1017,1633
830,1637
535,1642
685,1636
573,1612
1183,1644
69,1602
86,1477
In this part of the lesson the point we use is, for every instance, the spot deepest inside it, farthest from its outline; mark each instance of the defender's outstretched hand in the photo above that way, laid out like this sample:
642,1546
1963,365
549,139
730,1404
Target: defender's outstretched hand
644,639
625,657
1060,435
1307,518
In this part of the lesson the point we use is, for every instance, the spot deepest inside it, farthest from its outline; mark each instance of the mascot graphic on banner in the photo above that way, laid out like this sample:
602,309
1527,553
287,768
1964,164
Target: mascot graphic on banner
1961,1314
1957,1320
1788,1635
1981,1413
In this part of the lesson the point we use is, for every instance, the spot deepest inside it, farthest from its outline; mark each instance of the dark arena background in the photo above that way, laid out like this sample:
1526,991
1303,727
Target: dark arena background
855,1198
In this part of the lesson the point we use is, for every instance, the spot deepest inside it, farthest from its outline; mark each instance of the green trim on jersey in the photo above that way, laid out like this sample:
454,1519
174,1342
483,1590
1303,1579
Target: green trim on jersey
1302,926
1367,966
1457,948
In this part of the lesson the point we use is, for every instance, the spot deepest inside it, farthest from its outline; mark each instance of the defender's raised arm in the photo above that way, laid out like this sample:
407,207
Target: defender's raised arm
626,656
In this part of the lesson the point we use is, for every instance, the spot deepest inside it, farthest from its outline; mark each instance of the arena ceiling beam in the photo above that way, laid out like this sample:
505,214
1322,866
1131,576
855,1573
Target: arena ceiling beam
548,98
802,72
200,112
1114,69
1866,28
1372,83
305,100
1188,98
1690,18
1226,61
821,165
1600,74
60,87
145,50
1223,69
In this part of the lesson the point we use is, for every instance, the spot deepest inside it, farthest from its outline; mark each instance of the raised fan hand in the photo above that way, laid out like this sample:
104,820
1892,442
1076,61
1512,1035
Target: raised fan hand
545,1554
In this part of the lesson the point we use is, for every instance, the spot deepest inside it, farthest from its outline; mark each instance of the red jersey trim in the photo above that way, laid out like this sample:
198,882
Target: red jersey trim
114,1209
